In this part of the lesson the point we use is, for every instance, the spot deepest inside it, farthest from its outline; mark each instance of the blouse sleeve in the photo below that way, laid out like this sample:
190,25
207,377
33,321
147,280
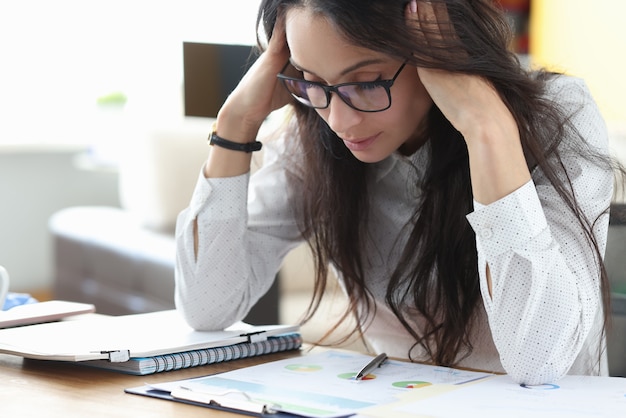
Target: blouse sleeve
245,228
545,297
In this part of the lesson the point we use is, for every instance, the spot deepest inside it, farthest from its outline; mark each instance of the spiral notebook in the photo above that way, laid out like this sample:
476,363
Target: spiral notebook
144,343
201,357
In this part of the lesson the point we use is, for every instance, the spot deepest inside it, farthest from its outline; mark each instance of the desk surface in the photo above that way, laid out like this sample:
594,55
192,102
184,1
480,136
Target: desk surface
51,389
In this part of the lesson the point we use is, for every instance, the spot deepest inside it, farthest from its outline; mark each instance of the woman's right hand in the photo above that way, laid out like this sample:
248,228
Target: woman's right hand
255,97
258,93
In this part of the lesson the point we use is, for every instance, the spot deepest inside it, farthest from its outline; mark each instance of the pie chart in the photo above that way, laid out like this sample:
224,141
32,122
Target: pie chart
411,384
352,375
304,368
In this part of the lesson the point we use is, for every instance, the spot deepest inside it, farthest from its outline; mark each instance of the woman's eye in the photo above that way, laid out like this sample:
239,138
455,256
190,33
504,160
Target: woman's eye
366,86
369,86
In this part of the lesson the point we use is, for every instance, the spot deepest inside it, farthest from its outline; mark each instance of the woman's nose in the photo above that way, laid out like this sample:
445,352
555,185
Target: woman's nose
341,117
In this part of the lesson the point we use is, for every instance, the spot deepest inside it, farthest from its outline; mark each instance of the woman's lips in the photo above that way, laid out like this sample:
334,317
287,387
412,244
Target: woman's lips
360,144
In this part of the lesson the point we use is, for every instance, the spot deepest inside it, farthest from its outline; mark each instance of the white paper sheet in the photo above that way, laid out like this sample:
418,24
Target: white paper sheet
497,397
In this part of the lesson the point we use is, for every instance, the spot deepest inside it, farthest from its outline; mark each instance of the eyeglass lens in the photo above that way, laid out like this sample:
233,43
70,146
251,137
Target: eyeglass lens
361,96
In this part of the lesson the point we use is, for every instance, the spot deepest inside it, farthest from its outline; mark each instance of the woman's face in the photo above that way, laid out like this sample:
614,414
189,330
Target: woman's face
323,55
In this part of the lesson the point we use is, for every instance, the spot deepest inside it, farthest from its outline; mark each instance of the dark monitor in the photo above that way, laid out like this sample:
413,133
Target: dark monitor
211,72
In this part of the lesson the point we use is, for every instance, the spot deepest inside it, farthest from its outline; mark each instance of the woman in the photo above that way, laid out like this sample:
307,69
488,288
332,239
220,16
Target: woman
462,201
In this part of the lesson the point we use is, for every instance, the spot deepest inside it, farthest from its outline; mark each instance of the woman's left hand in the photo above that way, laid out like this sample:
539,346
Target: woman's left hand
474,108
467,101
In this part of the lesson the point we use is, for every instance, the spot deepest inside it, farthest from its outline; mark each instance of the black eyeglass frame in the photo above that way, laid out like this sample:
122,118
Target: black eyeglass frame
386,84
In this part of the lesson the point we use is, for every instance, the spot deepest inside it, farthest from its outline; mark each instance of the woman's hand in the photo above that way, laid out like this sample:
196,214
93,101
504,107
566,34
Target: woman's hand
474,108
467,101
255,97
259,92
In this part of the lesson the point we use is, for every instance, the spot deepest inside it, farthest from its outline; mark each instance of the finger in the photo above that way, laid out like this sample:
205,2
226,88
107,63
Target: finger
439,10
421,17
411,14
278,41
433,20
414,23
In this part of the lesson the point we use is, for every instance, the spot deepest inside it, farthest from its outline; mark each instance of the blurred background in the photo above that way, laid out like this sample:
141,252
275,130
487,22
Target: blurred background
75,78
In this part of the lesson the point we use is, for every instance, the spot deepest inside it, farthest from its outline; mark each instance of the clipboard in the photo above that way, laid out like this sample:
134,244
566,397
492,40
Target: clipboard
320,385
244,408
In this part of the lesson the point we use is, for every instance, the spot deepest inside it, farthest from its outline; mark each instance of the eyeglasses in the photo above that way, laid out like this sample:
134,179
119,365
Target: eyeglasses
370,96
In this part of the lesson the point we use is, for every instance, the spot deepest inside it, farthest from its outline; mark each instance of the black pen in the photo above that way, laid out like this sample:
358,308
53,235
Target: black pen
374,363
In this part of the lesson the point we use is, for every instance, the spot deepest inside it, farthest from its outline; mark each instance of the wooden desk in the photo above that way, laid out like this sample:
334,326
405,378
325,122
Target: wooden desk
36,388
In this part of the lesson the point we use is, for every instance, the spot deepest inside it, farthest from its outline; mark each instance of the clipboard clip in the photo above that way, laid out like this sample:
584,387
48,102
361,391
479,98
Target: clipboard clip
231,399
117,356
255,337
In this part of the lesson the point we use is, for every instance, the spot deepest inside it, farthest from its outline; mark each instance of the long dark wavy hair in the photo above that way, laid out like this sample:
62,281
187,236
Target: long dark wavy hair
437,274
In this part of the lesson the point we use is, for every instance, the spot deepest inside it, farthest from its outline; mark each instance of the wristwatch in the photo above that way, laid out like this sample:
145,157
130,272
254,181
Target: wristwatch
214,139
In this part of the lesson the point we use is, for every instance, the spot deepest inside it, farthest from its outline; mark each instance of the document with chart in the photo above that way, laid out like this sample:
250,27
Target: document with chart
315,385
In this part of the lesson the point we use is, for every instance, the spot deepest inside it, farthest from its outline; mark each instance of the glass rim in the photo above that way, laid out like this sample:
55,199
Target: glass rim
328,89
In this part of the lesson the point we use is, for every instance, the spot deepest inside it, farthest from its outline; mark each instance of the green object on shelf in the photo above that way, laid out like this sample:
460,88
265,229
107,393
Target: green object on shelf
112,99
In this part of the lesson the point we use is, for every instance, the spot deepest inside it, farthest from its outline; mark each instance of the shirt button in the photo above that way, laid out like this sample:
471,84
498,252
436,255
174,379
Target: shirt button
486,233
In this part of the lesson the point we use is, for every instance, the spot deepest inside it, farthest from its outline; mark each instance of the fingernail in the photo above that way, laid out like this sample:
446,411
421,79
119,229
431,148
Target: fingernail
413,6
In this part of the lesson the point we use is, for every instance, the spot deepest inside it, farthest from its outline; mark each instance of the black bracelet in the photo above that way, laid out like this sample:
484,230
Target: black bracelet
234,146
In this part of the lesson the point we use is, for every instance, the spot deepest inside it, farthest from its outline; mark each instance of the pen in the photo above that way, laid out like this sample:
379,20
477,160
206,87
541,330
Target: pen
374,363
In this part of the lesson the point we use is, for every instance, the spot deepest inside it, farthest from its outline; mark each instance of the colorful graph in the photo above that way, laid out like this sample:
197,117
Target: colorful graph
303,368
411,384
352,375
